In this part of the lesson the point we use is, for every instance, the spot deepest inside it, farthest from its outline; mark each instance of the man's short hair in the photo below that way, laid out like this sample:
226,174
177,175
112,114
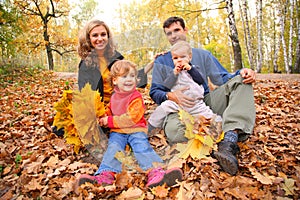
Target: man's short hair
172,20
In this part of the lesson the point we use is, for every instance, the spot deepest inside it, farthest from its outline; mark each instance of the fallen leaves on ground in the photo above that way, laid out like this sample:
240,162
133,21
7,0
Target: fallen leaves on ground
37,164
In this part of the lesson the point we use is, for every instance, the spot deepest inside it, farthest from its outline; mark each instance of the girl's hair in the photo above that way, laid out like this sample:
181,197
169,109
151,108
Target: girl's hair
182,45
121,68
85,46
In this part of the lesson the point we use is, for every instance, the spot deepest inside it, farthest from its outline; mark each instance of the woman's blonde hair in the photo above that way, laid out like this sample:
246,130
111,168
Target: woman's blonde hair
85,46
121,68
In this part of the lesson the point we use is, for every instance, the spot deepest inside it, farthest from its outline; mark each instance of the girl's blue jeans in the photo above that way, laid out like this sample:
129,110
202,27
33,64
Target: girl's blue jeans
143,151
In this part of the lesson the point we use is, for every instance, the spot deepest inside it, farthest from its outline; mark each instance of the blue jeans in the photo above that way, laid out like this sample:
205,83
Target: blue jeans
143,151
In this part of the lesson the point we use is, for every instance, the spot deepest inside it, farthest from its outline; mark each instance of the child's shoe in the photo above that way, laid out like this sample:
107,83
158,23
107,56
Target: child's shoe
158,176
104,178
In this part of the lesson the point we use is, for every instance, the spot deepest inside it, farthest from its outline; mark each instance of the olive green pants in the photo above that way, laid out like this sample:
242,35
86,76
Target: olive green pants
234,101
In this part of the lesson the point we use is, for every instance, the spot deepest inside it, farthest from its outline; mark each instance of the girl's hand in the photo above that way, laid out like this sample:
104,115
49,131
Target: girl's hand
103,121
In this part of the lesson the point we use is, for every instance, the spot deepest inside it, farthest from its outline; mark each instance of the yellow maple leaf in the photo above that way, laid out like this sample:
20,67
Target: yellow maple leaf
77,113
74,141
194,148
85,115
202,133
188,121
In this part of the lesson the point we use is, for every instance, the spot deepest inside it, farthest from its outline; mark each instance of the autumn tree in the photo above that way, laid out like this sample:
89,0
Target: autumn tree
85,10
9,29
44,12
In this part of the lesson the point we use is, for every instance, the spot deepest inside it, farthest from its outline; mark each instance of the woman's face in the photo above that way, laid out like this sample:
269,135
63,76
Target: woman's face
99,38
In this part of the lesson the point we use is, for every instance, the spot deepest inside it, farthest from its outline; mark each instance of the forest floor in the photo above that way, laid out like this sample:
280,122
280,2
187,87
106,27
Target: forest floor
37,164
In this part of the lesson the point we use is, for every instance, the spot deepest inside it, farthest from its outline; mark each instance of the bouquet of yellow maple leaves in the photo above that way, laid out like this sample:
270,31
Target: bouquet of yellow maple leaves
77,113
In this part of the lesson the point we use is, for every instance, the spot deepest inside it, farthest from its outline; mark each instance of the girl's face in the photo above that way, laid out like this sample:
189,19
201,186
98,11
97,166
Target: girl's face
99,38
126,83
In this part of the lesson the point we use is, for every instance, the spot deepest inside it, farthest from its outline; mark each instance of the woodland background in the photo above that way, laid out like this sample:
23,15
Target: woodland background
262,35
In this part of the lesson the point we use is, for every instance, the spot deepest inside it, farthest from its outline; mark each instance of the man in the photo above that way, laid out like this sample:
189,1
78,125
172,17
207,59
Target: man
233,99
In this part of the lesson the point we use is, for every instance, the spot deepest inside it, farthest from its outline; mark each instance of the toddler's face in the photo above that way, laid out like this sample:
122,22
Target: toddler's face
181,58
126,83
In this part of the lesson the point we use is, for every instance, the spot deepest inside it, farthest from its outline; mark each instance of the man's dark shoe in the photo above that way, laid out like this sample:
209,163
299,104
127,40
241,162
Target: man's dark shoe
226,155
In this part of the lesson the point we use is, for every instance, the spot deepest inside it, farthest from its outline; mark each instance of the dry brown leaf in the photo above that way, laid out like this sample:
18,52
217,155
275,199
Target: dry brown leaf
261,178
131,194
160,191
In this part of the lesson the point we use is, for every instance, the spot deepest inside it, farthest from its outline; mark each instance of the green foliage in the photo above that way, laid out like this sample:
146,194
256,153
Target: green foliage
18,160
85,10
9,28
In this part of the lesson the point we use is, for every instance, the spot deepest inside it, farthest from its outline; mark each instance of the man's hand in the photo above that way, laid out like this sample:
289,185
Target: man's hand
181,99
248,75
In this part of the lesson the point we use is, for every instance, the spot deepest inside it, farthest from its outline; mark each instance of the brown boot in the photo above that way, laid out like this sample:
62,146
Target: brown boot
226,155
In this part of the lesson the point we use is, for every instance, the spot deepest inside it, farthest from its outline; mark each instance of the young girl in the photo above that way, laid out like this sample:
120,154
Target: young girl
125,118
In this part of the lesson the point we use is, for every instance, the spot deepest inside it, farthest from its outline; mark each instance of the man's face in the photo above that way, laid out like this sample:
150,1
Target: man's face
175,32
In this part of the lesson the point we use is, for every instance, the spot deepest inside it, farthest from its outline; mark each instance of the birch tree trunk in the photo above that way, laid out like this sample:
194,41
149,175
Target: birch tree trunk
276,38
259,35
234,37
297,61
290,56
284,46
247,37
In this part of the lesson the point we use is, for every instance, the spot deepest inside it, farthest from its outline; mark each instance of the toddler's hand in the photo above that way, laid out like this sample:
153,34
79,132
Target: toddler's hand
186,66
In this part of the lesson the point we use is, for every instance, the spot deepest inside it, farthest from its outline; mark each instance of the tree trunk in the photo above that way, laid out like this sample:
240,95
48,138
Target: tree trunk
284,46
276,39
297,61
48,47
234,37
259,35
244,14
290,56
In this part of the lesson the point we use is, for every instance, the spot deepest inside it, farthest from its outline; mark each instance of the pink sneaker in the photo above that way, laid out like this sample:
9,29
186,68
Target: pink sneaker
104,178
158,176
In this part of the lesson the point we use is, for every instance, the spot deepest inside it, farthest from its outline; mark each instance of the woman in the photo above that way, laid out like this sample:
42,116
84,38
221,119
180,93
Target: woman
98,53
